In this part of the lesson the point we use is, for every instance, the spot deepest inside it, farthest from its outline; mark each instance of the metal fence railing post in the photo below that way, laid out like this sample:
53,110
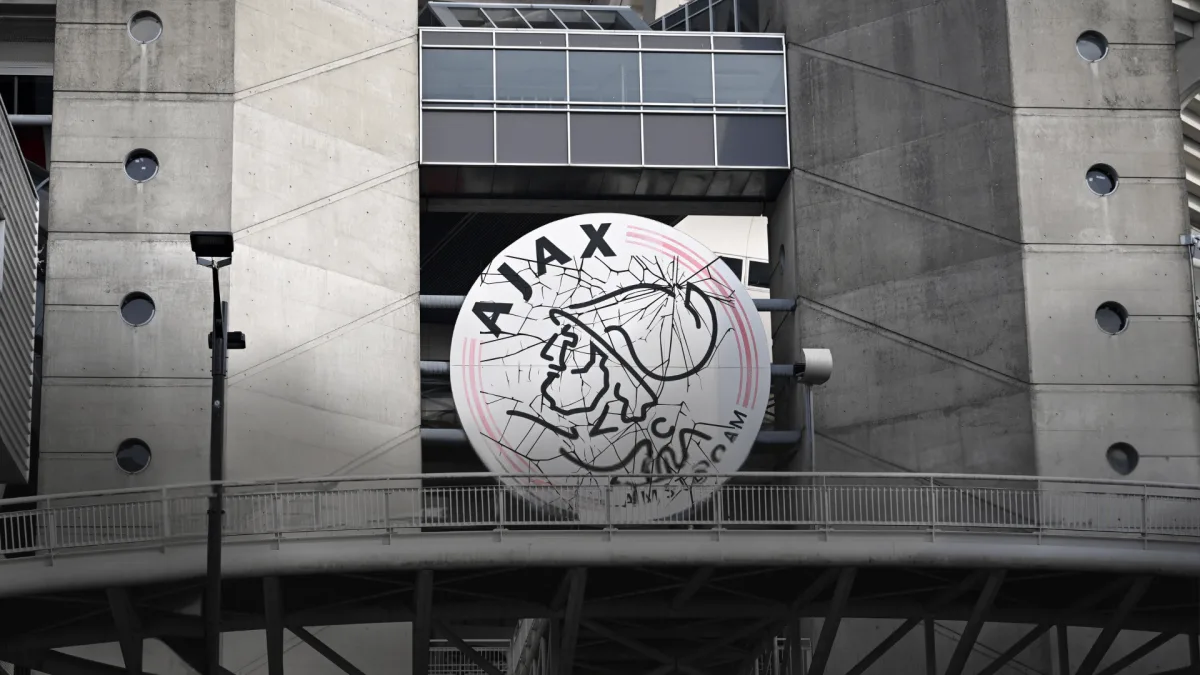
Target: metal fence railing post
608,519
165,509
51,530
387,509
500,508
1145,515
719,510
827,506
933,510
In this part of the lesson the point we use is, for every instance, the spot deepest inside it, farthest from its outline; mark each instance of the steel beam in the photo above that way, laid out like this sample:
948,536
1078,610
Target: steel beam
930,648
1109,632
699,578
325,650
966,642
273,606
829,629
466,649
128,626
57,663
942,599
1139,653
641,648
1063,649
576,584
422,624
809,594
715,646
191,651
1087,602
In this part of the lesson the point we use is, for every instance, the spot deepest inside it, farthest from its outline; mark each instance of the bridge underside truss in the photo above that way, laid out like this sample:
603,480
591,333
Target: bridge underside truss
654,620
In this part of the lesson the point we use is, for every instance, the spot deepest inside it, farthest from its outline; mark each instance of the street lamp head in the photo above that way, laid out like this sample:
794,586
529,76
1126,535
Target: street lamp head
212,248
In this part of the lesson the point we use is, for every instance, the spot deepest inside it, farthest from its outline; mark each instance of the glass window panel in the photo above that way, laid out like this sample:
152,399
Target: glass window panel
456,137
8,92
735,266
677,78
722,17
603,40
760,274
528,39
437,37
609,20
457,74
531,138
523,75
541,18
747,16
748,43
505,18
606,139
604,77
43,94
700,22
678,140
576,19
752,140
676,42
675,20
470,17
749,78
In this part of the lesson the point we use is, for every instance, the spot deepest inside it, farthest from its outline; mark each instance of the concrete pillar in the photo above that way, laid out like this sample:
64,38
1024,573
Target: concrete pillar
295,125
940,236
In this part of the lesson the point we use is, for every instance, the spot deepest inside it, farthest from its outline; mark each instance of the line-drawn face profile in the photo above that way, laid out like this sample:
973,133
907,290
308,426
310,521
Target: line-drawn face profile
610,353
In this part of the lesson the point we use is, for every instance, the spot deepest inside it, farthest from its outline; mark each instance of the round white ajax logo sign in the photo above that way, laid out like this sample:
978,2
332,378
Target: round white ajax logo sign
607,362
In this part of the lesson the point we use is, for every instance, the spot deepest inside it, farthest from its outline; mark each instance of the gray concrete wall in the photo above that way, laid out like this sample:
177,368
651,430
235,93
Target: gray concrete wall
294,125
940,238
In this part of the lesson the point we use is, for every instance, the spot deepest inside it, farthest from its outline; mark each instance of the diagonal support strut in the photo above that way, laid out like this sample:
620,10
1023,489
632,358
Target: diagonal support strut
1109,633
966,642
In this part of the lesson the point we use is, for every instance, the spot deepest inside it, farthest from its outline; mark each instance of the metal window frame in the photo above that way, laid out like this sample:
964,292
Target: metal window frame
569,107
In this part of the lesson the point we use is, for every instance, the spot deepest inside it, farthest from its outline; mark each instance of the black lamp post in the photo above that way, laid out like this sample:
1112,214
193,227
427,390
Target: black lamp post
215,250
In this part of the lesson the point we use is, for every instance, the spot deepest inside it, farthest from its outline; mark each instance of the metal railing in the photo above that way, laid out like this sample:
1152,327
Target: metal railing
445,659
402,505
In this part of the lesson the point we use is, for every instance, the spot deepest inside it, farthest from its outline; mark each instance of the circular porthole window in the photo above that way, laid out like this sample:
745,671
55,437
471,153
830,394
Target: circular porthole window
1112,317
1102,180
141,165
137,309
133,455
1092,46
1122,457
145,27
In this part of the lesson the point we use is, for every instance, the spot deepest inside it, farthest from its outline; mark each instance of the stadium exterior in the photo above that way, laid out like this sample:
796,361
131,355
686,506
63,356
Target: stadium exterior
980,206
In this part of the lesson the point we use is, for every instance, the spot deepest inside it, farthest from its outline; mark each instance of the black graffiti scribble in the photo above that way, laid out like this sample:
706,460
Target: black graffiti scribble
617,370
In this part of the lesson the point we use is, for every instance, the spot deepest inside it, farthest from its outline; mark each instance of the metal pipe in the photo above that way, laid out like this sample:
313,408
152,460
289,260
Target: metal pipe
456,302
30,120
212,591
810,431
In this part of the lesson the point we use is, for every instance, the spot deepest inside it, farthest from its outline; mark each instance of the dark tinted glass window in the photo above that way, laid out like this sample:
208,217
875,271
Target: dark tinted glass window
749,78
8,92
760,274
540,18
700,22
456,137
457,74
677,78
678,140
735,265
531,75
604,77
752,140
576,19
531,138
722,17
606,139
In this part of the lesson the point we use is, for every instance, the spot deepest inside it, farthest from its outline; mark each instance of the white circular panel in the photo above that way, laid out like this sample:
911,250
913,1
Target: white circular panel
602,348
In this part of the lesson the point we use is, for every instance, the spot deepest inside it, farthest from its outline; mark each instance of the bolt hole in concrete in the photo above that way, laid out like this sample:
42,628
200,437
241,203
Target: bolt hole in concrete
141,165
1112,317
145,27
1092,46
137,309
1122,457
133,455
1102,179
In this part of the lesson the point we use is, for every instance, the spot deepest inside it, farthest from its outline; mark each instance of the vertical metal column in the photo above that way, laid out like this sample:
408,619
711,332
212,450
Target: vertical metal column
1064,652
810,431
212,594
930,649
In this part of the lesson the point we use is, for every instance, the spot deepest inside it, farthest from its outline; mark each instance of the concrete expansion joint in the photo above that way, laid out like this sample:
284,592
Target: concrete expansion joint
326,67
915,344
897,77
391,307
327,200
899,206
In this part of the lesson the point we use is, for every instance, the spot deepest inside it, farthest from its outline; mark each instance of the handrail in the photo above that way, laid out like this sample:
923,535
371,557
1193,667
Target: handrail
407,503
473,476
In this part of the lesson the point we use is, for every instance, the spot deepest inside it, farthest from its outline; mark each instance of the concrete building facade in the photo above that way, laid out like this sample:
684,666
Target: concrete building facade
982,219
